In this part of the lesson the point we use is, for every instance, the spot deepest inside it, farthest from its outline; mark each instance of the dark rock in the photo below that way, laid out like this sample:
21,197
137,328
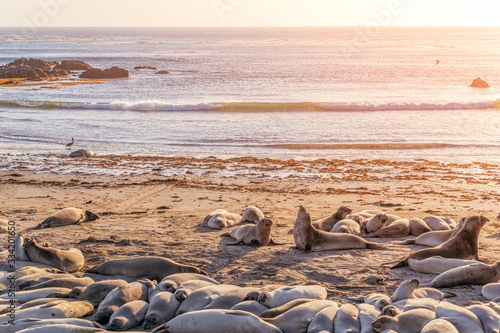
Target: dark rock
11,82
144,67
479,83
72,65
110,73
27,69
162,72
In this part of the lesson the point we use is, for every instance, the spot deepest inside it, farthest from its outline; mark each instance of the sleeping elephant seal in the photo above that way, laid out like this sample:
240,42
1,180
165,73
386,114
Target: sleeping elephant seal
252,214
258,235
67,216
128,316
97,291
69,261
308,238
477,274
154,268
327,223
173,281
412,321
464,245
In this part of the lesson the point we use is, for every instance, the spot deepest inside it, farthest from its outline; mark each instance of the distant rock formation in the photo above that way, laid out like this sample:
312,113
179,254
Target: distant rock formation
162,72
110,73
479,83
144,67
73,65
33,69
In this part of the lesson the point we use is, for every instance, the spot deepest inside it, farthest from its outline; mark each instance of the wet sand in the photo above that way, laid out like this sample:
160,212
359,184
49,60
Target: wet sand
155,206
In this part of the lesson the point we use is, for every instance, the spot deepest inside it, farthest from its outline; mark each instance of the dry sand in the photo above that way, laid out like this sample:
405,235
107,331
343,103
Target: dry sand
159,212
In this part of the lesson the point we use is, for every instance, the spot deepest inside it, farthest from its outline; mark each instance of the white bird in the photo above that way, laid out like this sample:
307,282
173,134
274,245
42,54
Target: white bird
71,143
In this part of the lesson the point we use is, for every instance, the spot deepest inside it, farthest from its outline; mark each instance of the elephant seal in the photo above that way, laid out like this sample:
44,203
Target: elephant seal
488,317
346,226
173,281
189,287
377,300
82,153
252,214
275,312
251,306
436,223
439,325
69,261
346,319
222,219
365,214
134,291
418,227
411,321
405,290
56,309
415,303
19,252
259,234
436,238
23,324
491,291
63,282
397,229
464,320
216,321
154,268
26,296
97,291
254,295
478,274
437,265
323,320
162,308
433,293
128,316
202,297
464,245
67,216
367,314
298,318
327,223
308,238
62,328
280,296
229,299
4,226
373,224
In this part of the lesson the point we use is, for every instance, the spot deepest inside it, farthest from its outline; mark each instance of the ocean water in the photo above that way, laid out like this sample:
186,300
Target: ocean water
265,92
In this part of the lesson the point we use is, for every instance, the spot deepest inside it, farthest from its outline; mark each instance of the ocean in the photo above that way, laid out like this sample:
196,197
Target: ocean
263,92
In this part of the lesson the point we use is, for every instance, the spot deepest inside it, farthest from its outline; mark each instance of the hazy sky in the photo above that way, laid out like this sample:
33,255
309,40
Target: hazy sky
248,12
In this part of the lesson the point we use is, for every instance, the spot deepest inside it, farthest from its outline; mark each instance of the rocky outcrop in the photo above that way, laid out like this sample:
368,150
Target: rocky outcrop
73,65
110,73
162,72
144,67
30,69
479,83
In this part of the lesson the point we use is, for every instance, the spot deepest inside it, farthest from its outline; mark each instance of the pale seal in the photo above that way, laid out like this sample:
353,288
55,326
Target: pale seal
188,287
202,297
346,226
259,234
377,300
412,321
488,317
67,216
491,291
69,261
134,291
22,324
478,274
367,314
275,312
439,326
280,296
29,295
308,238
464,320
436,223
323,320
82,153
346,319
327,223
437,265
128,316
229,299
162,308
252,214
464,245
433,293
405,290
56,309
251,306
97,291
418,227
63,282
397,229
298,318
223,219
371,225
435,238
154,268
216,321
173,281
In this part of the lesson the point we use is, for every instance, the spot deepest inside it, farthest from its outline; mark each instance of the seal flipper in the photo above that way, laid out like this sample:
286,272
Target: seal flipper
402,263
226,234
237,243
272,242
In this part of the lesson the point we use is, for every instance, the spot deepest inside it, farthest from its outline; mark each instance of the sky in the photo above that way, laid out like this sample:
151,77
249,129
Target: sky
42,13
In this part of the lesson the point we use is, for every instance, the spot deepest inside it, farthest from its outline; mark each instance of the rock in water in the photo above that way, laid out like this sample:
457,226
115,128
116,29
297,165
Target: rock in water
479,83
110,73
73,65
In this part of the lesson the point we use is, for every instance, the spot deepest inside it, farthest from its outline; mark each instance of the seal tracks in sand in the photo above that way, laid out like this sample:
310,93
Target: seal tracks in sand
139,196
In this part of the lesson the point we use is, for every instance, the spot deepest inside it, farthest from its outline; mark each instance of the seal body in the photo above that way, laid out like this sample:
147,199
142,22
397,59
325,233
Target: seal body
323,320
252,214
202,297
437,265
68,261
82,153
397,229
412,321
259,234
173,281
128,316
162,308
188,287
67,216
436,223
284,295
327,223
491,291
478,274
223,220
97,291
346,226
418,227
154,268
346,319
439,325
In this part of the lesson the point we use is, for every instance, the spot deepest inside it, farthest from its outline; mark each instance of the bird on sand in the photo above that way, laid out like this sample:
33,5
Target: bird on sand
71,143
438,61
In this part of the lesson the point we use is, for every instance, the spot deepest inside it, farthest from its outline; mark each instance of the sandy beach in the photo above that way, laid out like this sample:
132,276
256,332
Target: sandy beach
155,206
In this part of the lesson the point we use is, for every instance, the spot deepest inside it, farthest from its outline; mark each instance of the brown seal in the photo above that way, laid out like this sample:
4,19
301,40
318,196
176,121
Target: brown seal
477,274
67,216
397,229
68,261
259,234
327,223
308,238
464,245
154,268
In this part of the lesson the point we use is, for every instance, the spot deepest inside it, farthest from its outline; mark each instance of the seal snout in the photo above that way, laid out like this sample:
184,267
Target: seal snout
262,297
